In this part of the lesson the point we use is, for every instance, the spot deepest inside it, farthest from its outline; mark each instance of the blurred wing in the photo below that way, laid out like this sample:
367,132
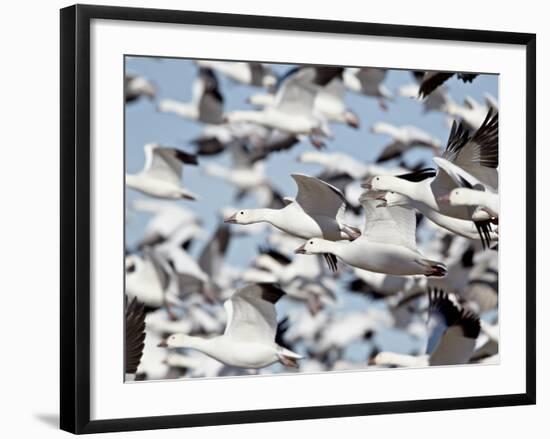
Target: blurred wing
391,225
165,163
297,91
135,335
317,197
431,81
251,313
371,78
452,331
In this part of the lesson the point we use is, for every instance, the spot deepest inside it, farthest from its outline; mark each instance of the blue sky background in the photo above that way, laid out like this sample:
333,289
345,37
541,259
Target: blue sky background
174,77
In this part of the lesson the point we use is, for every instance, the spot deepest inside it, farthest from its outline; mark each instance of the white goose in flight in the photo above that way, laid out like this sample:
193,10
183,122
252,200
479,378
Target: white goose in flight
387,245
316,212
452,336
249,337
369,82
136,86
477,155
161,175
465,228
206,101
293,110
247,73
403,138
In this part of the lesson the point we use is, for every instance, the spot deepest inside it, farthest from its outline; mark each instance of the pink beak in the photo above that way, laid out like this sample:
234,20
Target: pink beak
301,249
232,219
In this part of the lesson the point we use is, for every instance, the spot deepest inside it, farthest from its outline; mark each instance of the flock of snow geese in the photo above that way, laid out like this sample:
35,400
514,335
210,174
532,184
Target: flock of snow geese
352,228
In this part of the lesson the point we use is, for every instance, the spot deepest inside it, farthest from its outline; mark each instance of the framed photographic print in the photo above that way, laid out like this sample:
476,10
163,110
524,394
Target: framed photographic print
271,218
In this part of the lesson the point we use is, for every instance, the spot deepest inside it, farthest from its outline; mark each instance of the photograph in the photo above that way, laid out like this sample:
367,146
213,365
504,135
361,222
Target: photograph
310,219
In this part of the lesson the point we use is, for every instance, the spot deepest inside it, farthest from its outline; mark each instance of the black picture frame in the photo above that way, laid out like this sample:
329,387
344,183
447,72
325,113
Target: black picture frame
75,217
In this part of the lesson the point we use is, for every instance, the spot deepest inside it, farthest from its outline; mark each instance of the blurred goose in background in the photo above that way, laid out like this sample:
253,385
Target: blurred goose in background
247,73
206,103
472,114
328,102
134,337
249,337
403,138
432,80
368,81
293,110
438,100
136,86
314,213
476,154
168,219
452,336
161,175
387,245
146,280
344,329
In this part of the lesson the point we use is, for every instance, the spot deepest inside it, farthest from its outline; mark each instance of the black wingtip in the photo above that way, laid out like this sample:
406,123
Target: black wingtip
332,262
453,314
271,292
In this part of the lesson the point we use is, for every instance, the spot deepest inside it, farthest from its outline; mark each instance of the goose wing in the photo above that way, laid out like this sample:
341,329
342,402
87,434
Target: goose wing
452,330
478,154
297,91
207,97
165,163
251,313
317,197
135,335
391,225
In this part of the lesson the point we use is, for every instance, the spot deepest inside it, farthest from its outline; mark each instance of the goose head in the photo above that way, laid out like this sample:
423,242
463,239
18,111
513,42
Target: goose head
243,216
457,197
381,183
311,247
351,119
176,341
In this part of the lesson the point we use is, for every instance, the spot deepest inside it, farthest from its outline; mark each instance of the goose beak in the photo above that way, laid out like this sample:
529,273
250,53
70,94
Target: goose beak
352,120
232,219
366,185
301,250
162,344
444,199
383,200
225,119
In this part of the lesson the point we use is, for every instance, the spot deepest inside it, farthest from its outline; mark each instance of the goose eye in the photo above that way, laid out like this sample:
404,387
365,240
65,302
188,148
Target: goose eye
377,178
311,242
242,213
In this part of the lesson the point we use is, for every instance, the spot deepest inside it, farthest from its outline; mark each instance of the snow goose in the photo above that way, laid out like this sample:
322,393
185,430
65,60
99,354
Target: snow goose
368,81
452,336
315,212
134,337
472,114
465,228
345,328
168,219
206,103
293,110
403,138
248,73
136,86
387,245
476,154
432,80
437,100
161,175
146,280
336,163
486,201
249,337
329,103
